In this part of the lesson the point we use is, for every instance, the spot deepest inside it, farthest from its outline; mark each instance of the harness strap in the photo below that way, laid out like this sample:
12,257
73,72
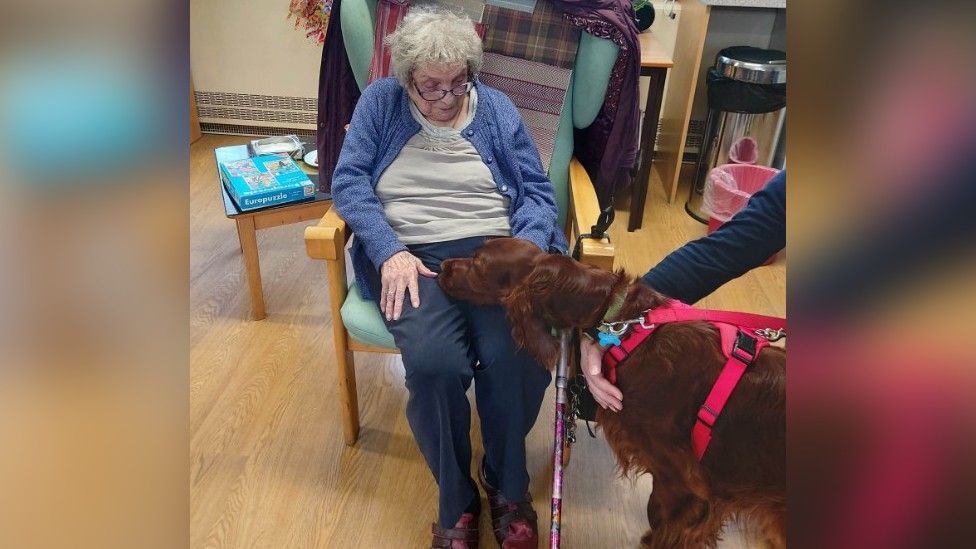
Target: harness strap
613,355
741,350
676,311
739,347
663,315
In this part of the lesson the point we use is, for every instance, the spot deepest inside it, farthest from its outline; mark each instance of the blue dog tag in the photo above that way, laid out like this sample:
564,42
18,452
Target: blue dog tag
607,340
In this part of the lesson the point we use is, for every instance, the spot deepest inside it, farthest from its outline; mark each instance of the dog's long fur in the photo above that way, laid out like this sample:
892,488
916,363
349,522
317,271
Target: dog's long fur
664,381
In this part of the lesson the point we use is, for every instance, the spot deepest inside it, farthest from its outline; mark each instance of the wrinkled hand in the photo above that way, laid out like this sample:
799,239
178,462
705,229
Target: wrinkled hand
398,274
605,393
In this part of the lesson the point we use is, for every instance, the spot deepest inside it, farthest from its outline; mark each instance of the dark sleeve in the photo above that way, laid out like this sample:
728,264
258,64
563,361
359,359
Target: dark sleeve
746,241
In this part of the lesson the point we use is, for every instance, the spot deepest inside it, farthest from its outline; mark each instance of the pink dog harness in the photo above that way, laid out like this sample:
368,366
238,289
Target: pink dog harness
743,336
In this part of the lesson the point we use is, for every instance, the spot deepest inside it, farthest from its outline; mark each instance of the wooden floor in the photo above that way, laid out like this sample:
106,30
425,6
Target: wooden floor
268,465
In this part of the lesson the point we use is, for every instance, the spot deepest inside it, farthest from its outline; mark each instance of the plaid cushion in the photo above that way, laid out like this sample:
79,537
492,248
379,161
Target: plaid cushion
544,36
537,89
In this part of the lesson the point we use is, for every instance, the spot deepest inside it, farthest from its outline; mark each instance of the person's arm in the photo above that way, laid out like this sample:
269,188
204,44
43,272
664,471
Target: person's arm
356,201
352,182
746,241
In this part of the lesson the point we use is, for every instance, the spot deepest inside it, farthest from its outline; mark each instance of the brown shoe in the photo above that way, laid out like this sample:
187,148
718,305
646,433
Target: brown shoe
464,535
514,522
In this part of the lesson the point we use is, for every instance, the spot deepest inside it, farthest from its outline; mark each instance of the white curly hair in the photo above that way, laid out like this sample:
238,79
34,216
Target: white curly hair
431,35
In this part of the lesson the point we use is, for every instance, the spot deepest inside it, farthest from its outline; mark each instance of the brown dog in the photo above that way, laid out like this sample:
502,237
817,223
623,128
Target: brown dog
664,382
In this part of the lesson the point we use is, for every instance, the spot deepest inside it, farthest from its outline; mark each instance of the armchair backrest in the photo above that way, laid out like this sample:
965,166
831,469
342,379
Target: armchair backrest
595,58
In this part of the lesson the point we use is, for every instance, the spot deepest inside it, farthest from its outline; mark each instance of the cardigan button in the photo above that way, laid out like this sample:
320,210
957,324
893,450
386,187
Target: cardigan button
504,188
470,133
488,161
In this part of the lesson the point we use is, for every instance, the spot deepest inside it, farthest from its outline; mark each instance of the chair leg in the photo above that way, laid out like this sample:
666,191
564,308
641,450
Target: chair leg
345,365
348,398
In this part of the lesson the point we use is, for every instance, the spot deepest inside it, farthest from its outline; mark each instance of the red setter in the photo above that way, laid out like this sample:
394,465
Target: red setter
664,382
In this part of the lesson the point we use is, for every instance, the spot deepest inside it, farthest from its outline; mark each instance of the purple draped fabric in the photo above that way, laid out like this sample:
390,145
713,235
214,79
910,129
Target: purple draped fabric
608,147
338,94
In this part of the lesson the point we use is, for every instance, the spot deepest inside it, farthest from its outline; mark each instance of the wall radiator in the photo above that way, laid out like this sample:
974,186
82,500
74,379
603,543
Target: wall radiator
251,114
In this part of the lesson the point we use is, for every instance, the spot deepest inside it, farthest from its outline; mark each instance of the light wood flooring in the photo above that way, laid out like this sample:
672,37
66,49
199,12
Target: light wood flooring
268,465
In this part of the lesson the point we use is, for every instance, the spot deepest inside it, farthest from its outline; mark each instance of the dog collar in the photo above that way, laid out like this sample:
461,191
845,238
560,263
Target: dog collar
616,304
601,333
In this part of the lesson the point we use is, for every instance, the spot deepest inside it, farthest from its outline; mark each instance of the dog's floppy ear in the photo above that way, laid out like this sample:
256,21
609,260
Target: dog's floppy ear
568,293
579,295
529,330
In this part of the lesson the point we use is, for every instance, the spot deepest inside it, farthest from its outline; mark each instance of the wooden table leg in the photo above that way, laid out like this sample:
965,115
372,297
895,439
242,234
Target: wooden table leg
249,248
652,115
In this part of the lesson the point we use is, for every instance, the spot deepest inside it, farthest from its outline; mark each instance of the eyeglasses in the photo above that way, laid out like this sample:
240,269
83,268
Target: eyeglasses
438,94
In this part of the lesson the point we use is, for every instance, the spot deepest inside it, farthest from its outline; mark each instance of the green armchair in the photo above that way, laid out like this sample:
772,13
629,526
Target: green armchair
357,323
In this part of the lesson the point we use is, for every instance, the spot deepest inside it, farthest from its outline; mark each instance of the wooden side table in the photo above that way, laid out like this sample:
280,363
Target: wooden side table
249,222
655,62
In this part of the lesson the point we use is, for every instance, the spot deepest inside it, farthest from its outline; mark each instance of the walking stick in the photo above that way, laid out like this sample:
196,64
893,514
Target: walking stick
597,231
559,440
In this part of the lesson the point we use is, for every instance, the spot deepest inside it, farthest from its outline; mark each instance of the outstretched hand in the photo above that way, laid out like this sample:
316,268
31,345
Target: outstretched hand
606,394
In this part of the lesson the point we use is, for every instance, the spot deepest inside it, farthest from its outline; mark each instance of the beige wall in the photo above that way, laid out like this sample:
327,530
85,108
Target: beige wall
665,31
248,46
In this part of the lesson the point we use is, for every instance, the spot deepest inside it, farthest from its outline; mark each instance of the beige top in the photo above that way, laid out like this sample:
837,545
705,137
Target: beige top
438,188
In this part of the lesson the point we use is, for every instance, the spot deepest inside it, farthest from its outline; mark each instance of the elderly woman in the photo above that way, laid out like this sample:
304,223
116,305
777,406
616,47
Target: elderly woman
434,164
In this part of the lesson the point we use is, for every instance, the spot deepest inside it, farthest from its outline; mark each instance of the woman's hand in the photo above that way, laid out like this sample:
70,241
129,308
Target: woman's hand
606,394
399,273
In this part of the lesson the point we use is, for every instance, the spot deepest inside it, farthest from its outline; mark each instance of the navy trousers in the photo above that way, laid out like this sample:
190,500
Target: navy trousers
445,344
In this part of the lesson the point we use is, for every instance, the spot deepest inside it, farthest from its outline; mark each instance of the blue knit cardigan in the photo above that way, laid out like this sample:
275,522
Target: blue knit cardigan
382,124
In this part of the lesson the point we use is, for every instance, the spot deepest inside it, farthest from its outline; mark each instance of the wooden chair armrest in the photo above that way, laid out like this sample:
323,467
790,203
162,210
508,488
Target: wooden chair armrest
584,210
327,239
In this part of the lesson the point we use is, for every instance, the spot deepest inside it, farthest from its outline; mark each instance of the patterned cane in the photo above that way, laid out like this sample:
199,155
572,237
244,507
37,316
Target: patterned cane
559,440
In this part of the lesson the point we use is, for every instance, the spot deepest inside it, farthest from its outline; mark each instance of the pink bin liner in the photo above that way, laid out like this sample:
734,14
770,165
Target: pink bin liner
728,188
745,150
